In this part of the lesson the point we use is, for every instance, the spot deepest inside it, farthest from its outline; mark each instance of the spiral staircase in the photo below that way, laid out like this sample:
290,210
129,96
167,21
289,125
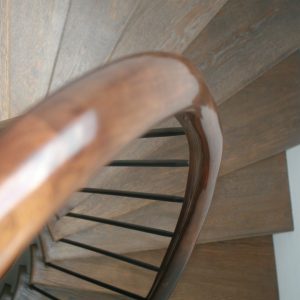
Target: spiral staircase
112,237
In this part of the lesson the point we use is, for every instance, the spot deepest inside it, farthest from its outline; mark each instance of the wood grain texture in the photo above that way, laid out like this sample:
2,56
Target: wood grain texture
260,121
114,272
151,213
241,269
91,130
35,30
249,202
52,279
91,32
161,180
165,25
175,147
110,238
259,190
264,118
243,40
154,148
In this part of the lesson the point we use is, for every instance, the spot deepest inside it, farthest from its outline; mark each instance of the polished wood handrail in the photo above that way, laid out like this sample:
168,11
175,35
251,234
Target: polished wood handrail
53,149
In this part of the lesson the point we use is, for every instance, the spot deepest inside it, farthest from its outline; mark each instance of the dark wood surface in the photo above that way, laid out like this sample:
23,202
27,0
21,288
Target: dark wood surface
162,180
264,118
259,190
54,281
165,25
241,269
259,122
90,35
243,40
91,130
252,201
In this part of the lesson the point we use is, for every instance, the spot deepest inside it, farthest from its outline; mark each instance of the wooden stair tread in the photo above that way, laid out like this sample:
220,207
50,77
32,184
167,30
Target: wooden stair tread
114,272
157,214
145,149
251,201
29,43
156,148
105,269
260,121
90,35
163,180
240,269
259,190
261,34
106,237
165,25
264,118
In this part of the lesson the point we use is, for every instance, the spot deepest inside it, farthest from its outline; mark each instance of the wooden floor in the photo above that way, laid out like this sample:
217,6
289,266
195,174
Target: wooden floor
248,53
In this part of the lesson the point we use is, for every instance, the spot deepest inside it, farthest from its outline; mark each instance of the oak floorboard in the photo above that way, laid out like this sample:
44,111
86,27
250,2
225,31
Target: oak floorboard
252,201
263,119
165,25
243,40
91,32
240,269
259,122
35,32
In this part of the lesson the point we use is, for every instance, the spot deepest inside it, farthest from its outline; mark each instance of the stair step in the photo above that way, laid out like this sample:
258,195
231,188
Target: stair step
103,28
99,24
174,147
165,25
108,238
255,35
263,119
260,121
240,269
162,148
163,180
29,43
259,190
251,201
157,182
96,273
152,213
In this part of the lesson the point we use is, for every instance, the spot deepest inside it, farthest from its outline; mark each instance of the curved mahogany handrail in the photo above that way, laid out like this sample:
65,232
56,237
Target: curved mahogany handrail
55,147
